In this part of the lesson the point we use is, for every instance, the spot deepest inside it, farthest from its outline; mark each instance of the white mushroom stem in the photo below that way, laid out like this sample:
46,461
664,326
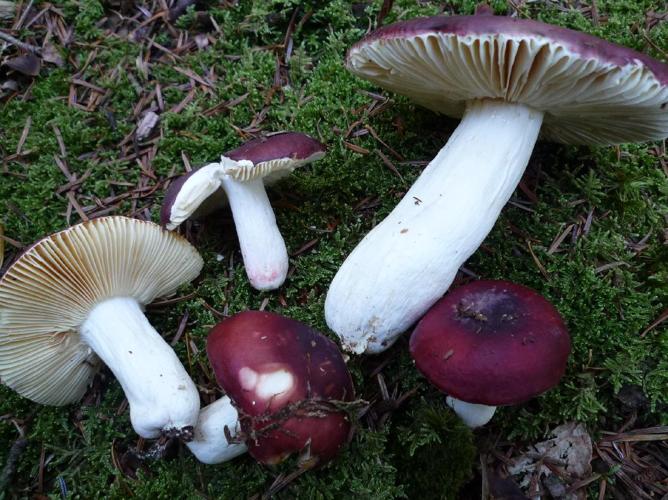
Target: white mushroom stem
210,444
161,395
473,415
409,260
262,246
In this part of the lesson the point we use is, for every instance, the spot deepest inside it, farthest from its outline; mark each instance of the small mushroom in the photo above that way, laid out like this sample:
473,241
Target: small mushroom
241,174
287,381
215,438
490,343
508,79
76,297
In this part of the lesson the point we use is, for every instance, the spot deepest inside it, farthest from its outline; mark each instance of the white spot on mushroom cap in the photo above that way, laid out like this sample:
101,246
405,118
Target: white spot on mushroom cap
247,378
268,385
275,383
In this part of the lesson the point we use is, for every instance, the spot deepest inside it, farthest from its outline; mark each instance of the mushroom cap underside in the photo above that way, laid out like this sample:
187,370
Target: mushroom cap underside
48,292
271,158
591,91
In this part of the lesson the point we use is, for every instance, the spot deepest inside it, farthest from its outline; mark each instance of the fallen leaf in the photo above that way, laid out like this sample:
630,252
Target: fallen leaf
146,125
569,452
51,54
26,65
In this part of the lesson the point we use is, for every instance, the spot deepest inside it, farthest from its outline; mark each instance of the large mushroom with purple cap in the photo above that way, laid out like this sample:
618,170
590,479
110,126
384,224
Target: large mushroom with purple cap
240,176
491,343
508,79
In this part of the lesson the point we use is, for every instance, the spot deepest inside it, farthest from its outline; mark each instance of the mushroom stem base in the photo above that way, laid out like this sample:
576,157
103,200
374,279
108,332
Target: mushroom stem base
473,415
408,261
215,424
161,395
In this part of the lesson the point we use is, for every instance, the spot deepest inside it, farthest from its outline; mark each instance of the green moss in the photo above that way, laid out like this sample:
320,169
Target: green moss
433,441
607,289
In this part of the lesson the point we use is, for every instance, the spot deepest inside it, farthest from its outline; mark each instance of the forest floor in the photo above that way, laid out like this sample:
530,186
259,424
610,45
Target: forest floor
588,229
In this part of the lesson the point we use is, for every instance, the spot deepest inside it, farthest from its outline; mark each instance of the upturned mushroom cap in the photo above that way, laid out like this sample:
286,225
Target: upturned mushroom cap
591,91
283,377
492,343
271,158
48,292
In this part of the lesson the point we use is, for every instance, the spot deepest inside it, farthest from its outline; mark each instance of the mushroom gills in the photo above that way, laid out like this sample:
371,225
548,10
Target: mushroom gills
410,259
160,393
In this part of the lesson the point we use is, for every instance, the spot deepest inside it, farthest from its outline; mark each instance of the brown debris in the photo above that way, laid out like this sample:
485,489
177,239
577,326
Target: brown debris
305,247
638,460
14,454
539,264
146,125
561,460
26,65
24,136
662,317
384,11
389,164
554,247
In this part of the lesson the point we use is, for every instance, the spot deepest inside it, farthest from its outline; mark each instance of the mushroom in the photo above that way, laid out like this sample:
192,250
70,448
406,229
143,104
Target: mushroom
76,297
241,174
490,343
287,381
215,439
506,78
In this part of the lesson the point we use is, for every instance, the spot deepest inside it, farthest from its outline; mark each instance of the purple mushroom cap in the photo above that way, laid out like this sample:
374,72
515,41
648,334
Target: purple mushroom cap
492,343
294,145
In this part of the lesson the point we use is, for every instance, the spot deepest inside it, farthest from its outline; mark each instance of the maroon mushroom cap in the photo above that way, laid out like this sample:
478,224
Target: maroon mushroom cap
284,378
273,157
591,90
294,145
493,343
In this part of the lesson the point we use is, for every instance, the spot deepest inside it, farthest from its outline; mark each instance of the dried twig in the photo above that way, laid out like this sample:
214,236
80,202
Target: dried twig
22,45
13,457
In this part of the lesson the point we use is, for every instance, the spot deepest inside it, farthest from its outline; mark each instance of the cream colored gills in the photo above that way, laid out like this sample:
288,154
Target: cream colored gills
406,262
77,296
160,393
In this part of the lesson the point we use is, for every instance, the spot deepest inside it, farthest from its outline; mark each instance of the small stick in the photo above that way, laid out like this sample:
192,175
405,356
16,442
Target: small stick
22,45
13,457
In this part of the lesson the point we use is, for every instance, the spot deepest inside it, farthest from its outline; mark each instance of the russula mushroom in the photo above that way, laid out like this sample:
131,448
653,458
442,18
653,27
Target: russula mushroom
287,381
215,436
241,174
508,79
76,297
490,343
